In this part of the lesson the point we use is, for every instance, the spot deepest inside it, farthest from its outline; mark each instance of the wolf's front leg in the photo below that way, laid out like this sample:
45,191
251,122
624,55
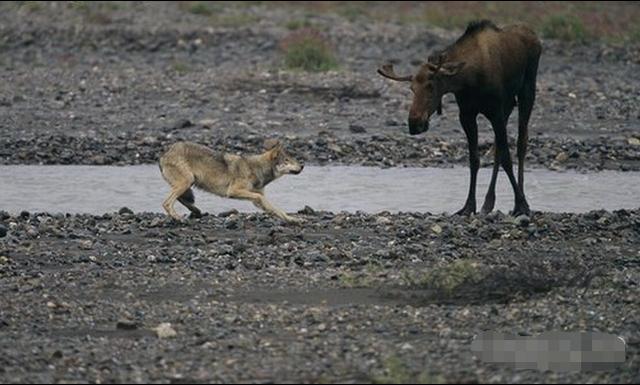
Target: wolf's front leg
271,209
261,202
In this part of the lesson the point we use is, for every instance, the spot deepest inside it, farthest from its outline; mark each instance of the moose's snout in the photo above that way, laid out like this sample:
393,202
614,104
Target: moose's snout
418,126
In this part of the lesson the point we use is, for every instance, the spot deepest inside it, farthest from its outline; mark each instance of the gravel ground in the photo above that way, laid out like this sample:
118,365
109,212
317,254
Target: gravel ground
347,297
79,89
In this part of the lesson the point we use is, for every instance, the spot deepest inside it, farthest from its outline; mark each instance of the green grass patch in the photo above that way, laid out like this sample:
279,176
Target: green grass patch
395,371
352,11
201,8
180,68
30,6
448,278
234,20
294,25
220,14
94,12
634,35
564,27
361,279
307,50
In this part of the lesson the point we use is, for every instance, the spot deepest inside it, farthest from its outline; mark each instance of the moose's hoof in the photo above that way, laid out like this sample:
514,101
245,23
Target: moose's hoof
466,211
522,210
486,208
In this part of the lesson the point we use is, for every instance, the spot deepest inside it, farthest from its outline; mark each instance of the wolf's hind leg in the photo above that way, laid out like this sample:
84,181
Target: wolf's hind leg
180,181
189,200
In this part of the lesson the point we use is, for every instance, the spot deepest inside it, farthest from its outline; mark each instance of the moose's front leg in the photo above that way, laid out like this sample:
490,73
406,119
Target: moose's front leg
470,126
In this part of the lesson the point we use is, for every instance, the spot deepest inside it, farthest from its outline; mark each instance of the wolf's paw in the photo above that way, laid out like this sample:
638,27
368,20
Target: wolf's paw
195,215
295,220
178,219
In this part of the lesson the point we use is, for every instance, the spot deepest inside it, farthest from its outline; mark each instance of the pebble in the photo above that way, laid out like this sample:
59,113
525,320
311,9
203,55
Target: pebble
307,210
165,330
522,220
125,211
357,129
126,325
86,244
228,213
383,220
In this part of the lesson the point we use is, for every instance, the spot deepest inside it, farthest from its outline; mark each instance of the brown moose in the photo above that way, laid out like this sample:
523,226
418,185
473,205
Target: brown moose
487,69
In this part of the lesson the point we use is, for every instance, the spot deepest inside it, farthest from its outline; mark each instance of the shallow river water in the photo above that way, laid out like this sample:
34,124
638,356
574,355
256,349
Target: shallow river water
100,189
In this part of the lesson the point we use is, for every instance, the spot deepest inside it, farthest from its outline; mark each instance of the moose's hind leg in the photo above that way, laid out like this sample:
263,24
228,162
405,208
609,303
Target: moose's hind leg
502,149
490,198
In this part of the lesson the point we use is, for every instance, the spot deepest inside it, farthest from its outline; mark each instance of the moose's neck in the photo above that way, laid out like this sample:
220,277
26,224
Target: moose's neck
453,85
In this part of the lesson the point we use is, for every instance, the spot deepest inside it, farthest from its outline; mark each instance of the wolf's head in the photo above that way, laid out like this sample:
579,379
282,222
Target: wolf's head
282,162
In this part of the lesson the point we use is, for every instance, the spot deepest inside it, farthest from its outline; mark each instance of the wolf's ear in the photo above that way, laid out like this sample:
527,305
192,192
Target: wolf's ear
271,144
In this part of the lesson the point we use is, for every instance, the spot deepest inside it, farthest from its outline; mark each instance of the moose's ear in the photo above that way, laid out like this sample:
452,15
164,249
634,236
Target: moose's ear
432,67
271,144
437,58
451,68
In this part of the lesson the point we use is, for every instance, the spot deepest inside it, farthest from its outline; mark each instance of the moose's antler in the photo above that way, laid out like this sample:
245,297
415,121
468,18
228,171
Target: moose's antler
388,72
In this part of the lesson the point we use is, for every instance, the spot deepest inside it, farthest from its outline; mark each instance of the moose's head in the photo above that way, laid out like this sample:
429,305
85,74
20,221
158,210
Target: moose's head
432,81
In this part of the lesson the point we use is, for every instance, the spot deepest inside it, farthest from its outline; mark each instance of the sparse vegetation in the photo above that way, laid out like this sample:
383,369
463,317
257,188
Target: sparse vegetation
352,10
180,68
564,27
569,20
95,12
307,50
294,25
217,13
366,278
30,6
234,20
584,20
203,8
634,35
395,371
447,278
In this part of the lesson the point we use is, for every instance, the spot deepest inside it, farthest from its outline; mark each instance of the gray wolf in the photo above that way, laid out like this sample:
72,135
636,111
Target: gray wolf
186,165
